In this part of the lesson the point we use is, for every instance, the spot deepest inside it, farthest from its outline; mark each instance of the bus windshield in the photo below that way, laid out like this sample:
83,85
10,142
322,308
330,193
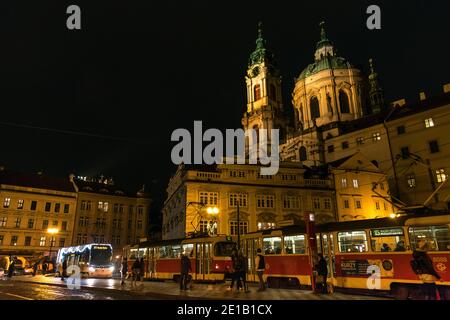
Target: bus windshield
101,255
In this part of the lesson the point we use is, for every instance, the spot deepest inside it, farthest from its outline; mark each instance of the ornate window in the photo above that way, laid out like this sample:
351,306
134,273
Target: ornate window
314,106
257,92
343,102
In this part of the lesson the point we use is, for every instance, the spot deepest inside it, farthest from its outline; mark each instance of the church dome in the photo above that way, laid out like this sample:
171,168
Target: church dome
328,62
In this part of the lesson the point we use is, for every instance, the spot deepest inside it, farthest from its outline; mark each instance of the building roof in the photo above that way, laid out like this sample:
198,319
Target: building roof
107,189
36,180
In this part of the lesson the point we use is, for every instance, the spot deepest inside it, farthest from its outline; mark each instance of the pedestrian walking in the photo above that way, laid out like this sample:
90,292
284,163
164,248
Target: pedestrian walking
235,267
185,269
260,265
124,271
423,267
64,270
242,271
322,274
35,268
44,267
142,268
136,269
11,268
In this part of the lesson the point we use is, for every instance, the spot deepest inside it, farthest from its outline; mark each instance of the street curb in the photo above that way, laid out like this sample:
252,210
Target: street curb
130,292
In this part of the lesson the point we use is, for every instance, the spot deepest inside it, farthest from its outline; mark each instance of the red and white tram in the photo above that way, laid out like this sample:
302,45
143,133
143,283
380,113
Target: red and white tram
210,257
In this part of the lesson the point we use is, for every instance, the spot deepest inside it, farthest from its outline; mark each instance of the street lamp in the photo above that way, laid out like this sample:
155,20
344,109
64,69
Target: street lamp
52,232
213,211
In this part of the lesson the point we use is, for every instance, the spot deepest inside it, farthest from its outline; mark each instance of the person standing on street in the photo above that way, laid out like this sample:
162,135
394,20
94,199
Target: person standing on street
142,267
322,273
64,269
185,269
423,267
124,270
136,269
260,265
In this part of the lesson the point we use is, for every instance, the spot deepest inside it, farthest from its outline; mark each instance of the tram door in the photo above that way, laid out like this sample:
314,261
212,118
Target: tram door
203,260
328,253
251,245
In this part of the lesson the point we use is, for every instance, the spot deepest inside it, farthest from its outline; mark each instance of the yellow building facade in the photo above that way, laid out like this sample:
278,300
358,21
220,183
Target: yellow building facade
264,201
31,204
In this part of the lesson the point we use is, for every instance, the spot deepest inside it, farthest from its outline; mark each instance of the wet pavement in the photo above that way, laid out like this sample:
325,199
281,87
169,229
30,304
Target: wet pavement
49,287
17,290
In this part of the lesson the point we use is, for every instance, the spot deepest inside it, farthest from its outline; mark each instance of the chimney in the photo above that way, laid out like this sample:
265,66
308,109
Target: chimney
446,87
422,96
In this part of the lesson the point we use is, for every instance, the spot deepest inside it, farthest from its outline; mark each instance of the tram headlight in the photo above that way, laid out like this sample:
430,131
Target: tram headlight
111,268
91,269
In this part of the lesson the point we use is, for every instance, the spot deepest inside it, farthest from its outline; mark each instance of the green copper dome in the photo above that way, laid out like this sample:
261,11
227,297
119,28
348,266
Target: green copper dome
328,62
325,57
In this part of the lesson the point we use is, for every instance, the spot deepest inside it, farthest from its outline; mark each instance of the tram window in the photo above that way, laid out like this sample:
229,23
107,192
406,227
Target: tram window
436,237
164,252
133,254
272,245
142,253
319,244
175,251
352,241
294,244
188,249
224,249
386,240
325,244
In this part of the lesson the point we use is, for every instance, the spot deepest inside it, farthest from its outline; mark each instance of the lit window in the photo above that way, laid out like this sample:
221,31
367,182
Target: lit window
429,123
411,181
355,183
359,140
344,182
440,175
376,137
6,203
3,221
20,204
353,241
42,242
14,240
105,207
266,225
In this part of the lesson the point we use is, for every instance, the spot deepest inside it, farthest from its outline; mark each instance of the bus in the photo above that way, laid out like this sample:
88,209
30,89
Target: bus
94,259
210,257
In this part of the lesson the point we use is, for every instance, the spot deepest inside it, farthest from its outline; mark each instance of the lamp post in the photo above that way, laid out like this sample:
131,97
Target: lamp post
52,231
239,228
213,211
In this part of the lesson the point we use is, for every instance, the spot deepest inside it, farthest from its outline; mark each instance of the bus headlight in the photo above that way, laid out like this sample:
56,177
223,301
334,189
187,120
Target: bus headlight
91,269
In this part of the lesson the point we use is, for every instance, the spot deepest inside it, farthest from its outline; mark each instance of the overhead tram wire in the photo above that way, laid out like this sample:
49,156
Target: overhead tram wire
70,132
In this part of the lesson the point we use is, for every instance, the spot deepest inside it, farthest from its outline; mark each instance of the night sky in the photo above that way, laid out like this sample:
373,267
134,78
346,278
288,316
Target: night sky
112,93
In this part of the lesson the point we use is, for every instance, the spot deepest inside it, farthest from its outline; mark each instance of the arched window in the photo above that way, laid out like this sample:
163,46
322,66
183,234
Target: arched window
343,102
273,92
314,106
257,92
302,153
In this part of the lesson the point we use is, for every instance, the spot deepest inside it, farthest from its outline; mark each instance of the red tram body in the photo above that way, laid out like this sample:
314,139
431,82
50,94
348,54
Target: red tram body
210,258
365,255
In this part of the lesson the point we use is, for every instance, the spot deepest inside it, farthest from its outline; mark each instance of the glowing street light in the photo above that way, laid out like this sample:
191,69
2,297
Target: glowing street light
52,232
212,210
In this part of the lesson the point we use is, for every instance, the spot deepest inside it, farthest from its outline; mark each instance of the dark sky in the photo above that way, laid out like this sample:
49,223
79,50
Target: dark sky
140,69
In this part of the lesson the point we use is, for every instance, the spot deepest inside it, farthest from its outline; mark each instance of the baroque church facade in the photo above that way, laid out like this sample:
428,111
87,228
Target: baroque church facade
339,111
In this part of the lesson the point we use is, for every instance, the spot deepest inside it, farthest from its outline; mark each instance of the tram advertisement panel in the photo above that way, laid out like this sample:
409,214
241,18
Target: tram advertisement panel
359,267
